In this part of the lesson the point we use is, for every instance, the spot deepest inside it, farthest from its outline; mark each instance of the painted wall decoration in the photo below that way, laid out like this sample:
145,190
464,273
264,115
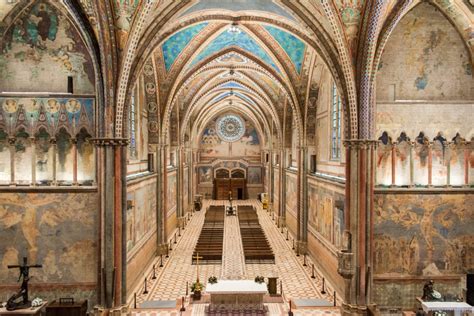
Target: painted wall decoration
434,63
141,213
326,213
185,188
171,194
253,5
175,44
124,13
242,40
59,230
293,46
36,121
414,232
205,174
41,49
212,145
254,175
291,195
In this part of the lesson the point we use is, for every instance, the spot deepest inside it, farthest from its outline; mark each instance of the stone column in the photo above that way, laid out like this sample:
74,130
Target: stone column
11,143
112,186
355,260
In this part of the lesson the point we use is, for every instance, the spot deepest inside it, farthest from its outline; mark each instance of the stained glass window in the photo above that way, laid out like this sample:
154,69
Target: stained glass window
230,128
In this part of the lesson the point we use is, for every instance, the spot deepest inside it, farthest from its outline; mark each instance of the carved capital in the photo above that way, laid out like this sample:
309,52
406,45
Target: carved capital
104,141
345,264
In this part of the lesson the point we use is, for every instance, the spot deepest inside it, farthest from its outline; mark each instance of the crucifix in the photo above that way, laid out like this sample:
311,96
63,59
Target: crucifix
12,303
197,257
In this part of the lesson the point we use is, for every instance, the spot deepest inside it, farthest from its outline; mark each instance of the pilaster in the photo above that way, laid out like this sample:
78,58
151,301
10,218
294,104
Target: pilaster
112,179
355,260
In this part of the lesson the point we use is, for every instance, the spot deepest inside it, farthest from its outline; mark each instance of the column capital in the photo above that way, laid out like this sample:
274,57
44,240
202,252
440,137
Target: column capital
360,143
110,141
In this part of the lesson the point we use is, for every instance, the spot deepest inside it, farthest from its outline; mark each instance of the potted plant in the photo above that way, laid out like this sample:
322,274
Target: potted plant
259,279
212,280
197,288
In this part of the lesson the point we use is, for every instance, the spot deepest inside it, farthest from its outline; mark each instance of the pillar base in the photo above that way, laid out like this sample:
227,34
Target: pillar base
162,249
301,247
349,309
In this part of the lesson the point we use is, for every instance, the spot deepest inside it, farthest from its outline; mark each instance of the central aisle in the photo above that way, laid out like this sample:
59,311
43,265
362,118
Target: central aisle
172,278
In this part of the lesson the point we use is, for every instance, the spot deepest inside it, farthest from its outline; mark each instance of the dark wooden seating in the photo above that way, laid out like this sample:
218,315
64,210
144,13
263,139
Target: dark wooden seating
210,243
254,242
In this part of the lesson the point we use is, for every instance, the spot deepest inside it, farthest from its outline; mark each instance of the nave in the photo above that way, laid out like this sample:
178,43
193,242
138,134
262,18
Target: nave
177,271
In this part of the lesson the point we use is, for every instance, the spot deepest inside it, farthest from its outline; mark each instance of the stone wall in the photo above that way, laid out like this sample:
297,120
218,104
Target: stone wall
59,230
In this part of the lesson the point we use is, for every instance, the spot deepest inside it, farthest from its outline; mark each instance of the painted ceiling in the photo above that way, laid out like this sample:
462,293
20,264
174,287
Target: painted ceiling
242,40
268,6
175,44
293,46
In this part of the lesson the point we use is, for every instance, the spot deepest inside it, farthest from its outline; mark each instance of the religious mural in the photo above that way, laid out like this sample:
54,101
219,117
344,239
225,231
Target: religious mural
326,213
434,64
205,174
212,145
141,213
36,121
185,188
291,195
58,230
171,194
254,175
124,13
417,233
43,47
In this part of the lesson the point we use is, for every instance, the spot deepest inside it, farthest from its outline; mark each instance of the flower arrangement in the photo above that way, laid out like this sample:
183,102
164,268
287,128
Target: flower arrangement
197,287
212,280
259,279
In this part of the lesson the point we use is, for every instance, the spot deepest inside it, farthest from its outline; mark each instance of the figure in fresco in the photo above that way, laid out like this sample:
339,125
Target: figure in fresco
422,151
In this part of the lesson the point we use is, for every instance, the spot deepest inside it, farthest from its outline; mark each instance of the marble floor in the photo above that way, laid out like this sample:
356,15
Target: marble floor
172,279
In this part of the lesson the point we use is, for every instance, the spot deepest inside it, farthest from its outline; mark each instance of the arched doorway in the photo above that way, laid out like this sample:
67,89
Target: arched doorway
228,182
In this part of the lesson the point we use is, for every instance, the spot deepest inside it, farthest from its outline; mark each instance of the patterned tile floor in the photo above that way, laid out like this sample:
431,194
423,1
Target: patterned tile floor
171,280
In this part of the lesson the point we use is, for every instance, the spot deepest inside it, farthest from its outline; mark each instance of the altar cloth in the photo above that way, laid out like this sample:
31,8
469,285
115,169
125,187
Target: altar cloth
457,307
236,287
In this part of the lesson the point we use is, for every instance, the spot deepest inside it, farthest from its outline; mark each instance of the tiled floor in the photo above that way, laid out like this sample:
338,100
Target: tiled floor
177,271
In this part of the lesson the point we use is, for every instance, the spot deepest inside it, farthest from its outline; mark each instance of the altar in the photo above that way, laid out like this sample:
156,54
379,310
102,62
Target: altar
456,307
238,295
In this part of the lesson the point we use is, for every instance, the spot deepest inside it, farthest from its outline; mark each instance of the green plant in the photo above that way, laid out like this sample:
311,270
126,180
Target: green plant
197,287
259,279
212,280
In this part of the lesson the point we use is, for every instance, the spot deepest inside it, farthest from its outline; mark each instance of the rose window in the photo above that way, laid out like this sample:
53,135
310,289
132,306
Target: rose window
230,128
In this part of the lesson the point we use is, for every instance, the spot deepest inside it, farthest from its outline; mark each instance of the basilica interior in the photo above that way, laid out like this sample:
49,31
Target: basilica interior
324,145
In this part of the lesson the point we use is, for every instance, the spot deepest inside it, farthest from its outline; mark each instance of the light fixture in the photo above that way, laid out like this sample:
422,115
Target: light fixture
234,29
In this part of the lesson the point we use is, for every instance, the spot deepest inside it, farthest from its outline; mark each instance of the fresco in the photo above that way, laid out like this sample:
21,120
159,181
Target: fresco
291,195
205,174
253,5
211,144
40,43
171,194
5,172
324,216
254,175
248,145
124,12
413,232
384,163
58,230
434,64
293,46
402,162
141,213
175,44
242,40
